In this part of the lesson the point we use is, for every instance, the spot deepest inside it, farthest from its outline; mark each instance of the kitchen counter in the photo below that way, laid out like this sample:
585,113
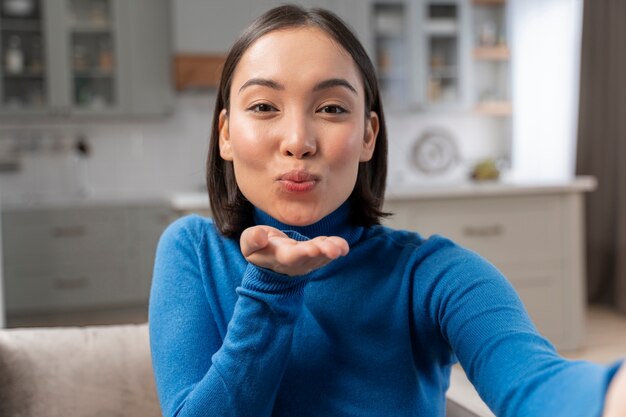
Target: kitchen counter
37,202
199,201
493,188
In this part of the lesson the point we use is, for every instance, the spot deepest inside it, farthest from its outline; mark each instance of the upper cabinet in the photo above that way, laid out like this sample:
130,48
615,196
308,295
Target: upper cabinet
85,57
418,48
435,54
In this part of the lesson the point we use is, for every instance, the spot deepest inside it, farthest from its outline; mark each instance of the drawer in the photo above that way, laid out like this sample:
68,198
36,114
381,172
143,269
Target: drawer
70,288
40,236
509,232
148,222
544,304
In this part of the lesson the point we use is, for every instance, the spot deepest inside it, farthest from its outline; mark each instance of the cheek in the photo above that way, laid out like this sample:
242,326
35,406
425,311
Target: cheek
248,142
345,147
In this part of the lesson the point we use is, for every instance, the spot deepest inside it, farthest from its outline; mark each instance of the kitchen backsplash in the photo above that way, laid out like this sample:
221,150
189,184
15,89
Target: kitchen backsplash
156,158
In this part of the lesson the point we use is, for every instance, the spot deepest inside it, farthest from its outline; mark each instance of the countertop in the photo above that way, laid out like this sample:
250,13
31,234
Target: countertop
200,200
36,202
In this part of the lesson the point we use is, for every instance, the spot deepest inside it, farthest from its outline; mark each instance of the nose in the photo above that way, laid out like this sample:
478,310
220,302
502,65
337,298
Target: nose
299,139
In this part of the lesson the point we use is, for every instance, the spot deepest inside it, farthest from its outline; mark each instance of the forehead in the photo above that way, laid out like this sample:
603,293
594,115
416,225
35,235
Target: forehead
305,54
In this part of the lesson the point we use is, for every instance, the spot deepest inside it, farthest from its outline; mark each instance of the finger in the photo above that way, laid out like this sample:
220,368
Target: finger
297,253
342,244
333,246
252,240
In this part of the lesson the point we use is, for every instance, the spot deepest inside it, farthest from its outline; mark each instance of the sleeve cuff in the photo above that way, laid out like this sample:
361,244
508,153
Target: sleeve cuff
269,282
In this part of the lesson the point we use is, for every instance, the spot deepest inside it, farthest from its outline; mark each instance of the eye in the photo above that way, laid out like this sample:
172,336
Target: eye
333,109
262,108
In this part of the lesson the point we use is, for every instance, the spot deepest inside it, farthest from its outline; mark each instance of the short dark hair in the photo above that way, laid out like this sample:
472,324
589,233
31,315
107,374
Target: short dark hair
231,211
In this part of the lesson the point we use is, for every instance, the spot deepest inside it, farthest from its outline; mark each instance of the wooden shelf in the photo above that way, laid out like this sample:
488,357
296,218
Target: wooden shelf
197,71
489,2
494,108
492,53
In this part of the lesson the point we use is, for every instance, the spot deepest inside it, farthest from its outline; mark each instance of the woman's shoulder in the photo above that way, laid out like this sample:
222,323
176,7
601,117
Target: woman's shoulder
191,228
427,250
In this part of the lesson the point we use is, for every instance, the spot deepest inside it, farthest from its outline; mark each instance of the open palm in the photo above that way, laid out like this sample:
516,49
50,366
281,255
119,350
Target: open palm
268,247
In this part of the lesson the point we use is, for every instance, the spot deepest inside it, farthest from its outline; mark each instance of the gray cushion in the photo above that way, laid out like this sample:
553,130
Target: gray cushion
93,371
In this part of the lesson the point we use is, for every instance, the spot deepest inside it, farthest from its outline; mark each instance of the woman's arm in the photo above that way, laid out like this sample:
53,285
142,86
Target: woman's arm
199,370
516,371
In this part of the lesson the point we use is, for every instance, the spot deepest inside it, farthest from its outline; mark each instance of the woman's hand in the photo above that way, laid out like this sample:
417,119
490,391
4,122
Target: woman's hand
615,402
270,248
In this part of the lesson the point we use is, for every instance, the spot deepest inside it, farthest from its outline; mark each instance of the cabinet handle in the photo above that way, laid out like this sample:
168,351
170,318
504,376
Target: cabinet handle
69,231
71,283
483,231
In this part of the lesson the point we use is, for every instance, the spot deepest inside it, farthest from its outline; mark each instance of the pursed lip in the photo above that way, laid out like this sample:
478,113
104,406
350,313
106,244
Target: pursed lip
298,176
297,181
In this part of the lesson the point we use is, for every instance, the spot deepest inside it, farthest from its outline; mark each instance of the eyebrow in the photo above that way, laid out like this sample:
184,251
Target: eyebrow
323,85
334,82
264,82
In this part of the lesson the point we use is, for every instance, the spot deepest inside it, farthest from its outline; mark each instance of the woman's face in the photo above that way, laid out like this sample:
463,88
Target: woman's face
296,128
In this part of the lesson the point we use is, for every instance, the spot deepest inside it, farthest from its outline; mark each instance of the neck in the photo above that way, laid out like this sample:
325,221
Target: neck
337,223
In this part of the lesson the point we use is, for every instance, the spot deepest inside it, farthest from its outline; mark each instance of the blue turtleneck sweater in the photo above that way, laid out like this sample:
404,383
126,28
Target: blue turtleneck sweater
371,334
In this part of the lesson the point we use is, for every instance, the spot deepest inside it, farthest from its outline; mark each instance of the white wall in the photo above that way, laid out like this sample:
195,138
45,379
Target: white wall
129,159
546,41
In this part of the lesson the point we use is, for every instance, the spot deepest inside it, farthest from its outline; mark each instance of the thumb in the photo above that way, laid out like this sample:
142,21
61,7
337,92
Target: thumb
253,239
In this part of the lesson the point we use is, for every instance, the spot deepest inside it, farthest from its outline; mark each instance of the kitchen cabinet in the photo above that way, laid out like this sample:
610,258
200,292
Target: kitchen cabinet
419,49
85,58
205,31
436,54
534,237
64,259
211,27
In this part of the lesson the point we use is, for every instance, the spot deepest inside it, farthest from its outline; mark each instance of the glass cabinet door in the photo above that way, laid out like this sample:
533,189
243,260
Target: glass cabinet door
442,36
391,39
92,54
23,79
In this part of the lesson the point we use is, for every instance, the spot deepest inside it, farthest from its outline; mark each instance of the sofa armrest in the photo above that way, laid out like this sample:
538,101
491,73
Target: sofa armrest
462,400
77,372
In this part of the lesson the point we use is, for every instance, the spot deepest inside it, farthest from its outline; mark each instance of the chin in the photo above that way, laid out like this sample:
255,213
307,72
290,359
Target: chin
300,217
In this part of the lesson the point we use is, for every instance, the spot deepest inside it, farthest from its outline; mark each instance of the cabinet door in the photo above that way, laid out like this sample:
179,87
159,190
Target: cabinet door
388,31
146,225
25,54
94,54
87,57
444,38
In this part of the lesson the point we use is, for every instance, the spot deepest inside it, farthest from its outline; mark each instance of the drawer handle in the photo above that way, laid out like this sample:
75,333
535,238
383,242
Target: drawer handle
69,231
71,283
483,231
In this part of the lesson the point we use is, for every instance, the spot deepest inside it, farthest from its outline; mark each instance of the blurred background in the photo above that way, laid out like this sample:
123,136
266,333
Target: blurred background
505,125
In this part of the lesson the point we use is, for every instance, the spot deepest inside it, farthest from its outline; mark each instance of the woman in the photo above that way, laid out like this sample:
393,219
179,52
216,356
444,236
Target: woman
293,300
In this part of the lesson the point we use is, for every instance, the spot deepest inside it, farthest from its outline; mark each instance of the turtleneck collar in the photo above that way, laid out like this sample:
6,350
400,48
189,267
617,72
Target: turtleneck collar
336,223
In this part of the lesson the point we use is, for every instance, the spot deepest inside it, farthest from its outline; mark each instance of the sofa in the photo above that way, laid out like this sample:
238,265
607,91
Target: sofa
105,371
93,371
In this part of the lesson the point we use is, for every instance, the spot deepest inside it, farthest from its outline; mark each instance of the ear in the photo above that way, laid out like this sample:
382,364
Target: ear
225,149
369,140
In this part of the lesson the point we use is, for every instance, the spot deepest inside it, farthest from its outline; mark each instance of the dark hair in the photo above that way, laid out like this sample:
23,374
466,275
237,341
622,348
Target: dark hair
231,211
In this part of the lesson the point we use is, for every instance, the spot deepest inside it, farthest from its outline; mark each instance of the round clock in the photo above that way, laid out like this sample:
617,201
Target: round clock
435,152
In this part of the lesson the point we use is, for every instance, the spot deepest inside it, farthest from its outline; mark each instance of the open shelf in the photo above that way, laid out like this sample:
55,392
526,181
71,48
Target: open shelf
489,2
494,108
492,53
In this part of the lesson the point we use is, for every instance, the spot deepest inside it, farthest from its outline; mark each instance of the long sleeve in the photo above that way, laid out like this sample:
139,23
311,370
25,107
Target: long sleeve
199,370
516,371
